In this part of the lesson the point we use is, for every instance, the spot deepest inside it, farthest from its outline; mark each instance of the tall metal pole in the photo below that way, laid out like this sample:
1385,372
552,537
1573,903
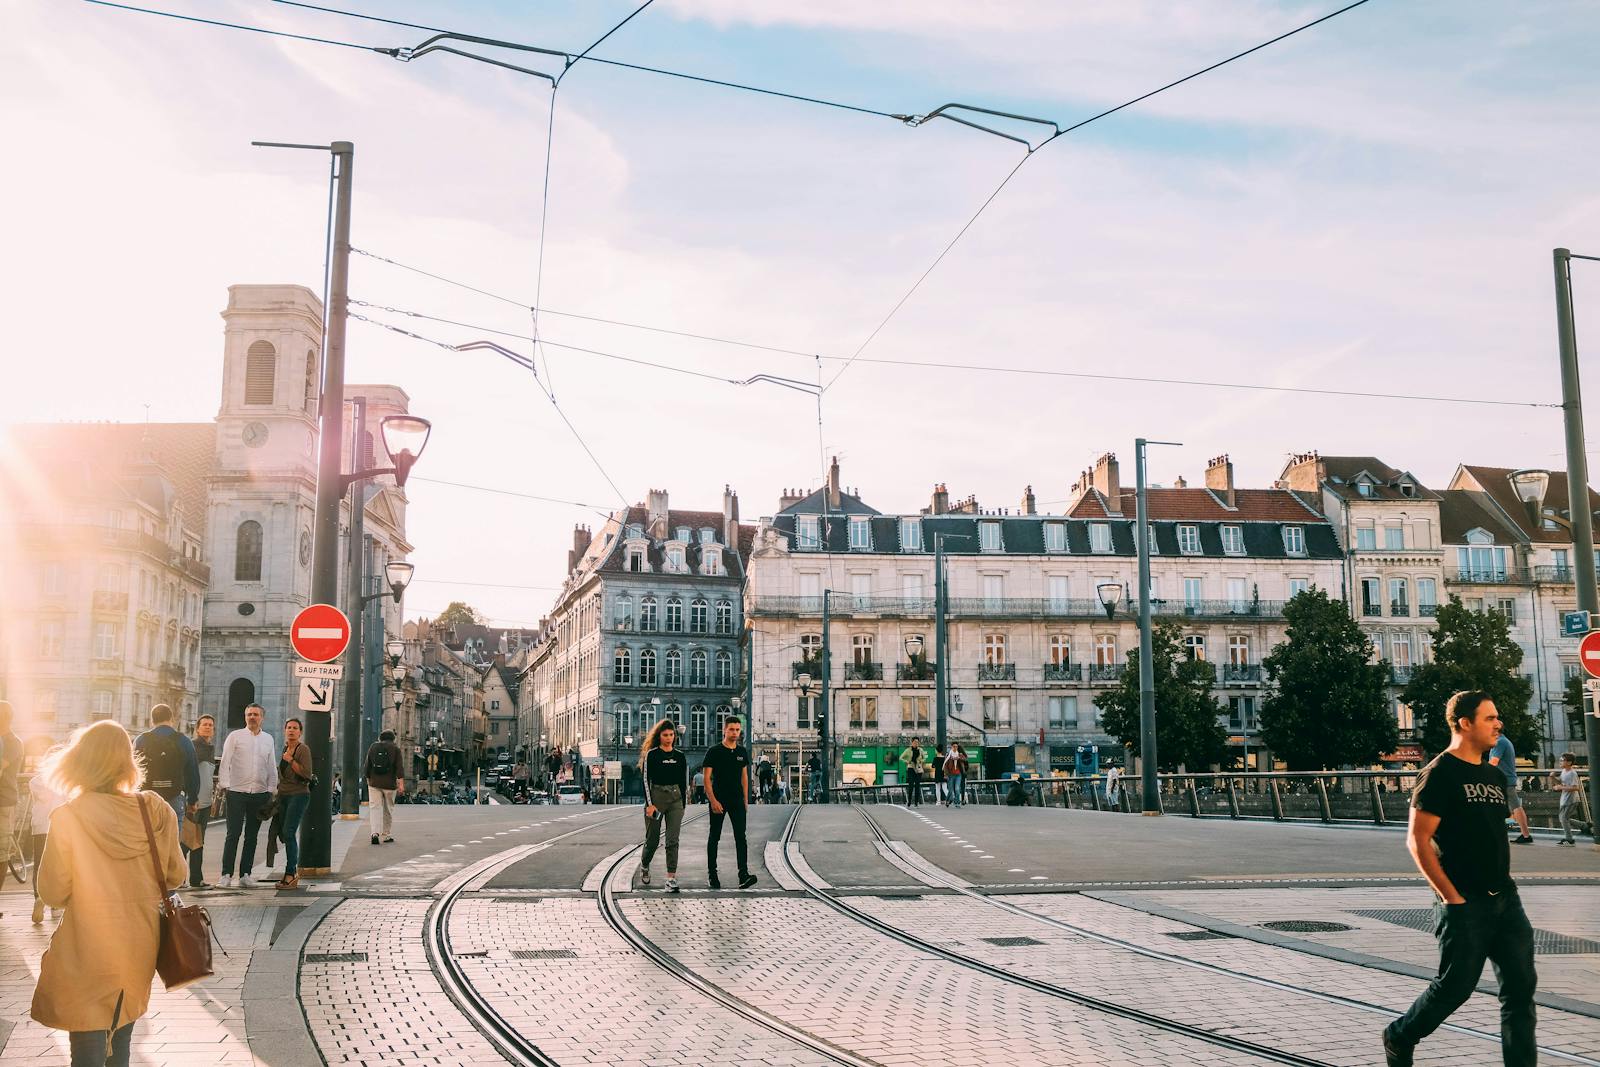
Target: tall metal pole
355,584
316,833
941,698
1578,500
822,701
1150,789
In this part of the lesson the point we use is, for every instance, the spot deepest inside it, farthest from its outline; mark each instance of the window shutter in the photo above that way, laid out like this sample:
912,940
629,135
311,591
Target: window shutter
260,373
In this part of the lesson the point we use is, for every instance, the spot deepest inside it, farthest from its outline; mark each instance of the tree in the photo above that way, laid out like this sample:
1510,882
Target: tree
458,613
1473,650
1187,731
1327,708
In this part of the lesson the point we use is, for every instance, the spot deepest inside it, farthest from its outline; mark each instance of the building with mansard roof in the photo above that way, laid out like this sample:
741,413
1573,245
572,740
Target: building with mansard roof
646,627
1030,645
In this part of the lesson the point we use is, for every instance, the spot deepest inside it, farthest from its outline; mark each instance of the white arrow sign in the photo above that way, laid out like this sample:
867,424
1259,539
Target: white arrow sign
316,694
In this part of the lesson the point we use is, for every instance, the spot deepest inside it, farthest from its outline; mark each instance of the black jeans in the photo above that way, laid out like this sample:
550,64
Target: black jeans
735,814
197,856
913,789
1486,927
242,809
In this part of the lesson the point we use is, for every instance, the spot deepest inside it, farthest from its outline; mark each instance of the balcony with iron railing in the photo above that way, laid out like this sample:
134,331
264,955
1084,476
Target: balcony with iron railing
921,671
1011,607
1400,675
1372,611
863,671
1242,674
1399,608
173,675
1105,672
812,667
1063,672
1555,575
997,672
1427,611
1455,574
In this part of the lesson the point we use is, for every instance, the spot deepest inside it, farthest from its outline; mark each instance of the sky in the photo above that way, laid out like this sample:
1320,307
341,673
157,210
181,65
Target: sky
1368,206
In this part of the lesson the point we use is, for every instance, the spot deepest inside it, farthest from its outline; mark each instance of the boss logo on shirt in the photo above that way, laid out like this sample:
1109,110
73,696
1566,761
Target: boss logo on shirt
1479,793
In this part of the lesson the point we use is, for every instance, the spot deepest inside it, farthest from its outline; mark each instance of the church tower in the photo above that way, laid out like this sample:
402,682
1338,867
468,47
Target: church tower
262,498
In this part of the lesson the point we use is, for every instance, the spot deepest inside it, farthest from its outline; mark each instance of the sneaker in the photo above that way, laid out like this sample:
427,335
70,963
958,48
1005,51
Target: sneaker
672,884
746,880
1574,844
257,881
714,882
1522,840
374,839
1396,1054
227,881
644,875
388,840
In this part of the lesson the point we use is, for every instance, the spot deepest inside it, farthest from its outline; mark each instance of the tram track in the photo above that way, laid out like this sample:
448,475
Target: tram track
944,880
505,1037
1085,1000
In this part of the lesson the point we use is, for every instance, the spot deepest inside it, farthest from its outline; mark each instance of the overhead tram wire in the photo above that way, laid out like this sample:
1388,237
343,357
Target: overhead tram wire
923,364
511,492
236,26
640,67
1032,149
526,364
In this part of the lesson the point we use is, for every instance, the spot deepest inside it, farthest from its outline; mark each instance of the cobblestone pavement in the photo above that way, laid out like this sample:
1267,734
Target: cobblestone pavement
339,974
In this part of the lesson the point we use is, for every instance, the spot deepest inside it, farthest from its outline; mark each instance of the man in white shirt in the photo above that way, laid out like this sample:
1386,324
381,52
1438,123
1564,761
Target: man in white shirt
1114,787
246,779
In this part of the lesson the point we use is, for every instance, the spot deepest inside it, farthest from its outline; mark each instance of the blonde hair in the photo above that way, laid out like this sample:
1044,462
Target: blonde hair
98,758
653,738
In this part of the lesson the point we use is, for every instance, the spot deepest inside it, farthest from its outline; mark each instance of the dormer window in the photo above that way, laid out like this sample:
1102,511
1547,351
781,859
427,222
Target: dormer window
1099,537
635,530
860,533
989,536
708,536
637,563
675,559
1189,540
911,535
1407,489
1364,488
681,534
1294,540
710,560
1055,537
1233,540
807,532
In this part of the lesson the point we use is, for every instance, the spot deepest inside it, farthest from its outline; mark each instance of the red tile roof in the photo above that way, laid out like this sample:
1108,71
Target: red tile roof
1202,505
1496,481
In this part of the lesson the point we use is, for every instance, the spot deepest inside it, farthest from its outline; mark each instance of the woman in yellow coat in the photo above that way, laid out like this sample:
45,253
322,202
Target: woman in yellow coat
95,978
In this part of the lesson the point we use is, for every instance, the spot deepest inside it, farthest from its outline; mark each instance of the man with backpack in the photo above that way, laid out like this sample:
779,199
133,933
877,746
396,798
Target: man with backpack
382,771
170,768
767,776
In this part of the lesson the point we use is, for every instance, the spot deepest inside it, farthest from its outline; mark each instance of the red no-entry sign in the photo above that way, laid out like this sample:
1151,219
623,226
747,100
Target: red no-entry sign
320,633
1589,653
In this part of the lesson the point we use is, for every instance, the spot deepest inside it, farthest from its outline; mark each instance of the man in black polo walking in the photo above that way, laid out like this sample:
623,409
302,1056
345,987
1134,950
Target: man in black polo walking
727,770
1458,840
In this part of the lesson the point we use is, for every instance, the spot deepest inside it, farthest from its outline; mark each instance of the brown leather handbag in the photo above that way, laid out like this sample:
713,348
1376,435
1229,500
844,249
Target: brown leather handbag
184,955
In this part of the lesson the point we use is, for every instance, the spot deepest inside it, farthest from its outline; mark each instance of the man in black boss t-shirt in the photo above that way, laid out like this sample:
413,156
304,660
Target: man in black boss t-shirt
727,770
1457,838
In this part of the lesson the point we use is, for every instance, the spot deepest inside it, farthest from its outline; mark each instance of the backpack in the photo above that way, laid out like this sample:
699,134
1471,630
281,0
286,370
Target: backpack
381,764
163,763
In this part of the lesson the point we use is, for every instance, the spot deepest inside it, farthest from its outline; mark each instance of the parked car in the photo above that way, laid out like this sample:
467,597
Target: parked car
569,794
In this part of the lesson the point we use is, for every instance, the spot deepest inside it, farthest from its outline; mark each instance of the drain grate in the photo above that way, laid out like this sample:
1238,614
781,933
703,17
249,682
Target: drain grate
1306,926
544,954
336,957
1545,942
1011,942
1197,935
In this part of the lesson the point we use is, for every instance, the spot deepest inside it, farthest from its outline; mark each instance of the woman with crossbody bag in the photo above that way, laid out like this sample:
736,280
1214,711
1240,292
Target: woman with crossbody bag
95,978
294,796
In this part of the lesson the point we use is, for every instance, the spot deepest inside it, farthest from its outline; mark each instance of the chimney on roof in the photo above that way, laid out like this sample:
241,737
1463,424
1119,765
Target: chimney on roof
835,501
1180,482
940,504
1219,479
580,544
1304,473
658,514
789,499
1028,507
1105,480
730,518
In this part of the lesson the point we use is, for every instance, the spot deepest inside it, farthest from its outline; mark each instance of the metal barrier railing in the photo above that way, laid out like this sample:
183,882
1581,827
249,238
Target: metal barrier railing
1375,797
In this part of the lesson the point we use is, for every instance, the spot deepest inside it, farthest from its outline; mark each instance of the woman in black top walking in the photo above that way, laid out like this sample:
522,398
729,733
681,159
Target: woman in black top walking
666,788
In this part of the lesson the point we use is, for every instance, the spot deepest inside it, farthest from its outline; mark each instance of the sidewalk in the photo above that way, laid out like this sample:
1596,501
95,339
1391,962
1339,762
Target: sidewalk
248,1015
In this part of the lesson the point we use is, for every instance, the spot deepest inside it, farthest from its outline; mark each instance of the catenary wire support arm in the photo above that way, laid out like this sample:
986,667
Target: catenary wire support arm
943,112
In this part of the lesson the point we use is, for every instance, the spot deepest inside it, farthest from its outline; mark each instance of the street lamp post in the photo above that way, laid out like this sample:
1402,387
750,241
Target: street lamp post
941,641
1147,680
